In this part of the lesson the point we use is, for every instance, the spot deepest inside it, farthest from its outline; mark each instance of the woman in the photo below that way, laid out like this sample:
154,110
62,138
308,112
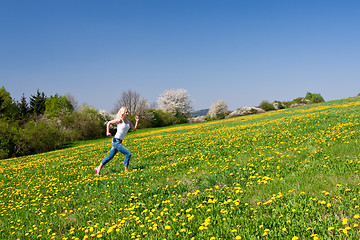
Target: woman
123,126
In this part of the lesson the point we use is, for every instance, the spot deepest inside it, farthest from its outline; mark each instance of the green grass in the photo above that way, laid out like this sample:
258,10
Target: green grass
287,174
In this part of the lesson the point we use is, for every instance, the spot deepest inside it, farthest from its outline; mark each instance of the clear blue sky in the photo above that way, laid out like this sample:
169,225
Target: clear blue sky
240,51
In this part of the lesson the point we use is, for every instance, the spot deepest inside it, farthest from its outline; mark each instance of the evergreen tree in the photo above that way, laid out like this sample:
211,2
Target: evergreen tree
23,108
37,103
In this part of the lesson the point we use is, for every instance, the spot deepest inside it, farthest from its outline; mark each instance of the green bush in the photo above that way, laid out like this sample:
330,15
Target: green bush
298,100
266,106
314,97
8,129
87,122
38,136
161,118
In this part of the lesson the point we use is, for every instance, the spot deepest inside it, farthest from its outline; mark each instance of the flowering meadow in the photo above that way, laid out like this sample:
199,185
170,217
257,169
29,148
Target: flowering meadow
286,174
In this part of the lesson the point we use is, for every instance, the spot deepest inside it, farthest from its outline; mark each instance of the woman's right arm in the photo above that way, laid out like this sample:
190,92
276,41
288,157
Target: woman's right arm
108,126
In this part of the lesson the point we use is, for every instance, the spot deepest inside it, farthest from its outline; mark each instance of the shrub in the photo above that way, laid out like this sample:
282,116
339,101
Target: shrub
161,118
86,123
8,129
38,136
314,97
266,106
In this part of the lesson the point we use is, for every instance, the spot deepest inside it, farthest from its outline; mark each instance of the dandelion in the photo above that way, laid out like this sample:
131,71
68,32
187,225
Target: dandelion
167,227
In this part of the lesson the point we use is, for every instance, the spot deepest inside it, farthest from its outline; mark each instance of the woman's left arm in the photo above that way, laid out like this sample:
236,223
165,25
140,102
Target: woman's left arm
136,124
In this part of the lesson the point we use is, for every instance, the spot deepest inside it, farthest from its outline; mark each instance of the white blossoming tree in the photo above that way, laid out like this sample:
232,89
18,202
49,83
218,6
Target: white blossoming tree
176,102
218,109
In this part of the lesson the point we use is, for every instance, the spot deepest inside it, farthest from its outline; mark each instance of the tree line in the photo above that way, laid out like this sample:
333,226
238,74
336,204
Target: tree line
45,123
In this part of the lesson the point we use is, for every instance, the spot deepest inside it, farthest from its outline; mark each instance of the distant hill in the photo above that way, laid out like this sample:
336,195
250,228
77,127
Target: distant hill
198,113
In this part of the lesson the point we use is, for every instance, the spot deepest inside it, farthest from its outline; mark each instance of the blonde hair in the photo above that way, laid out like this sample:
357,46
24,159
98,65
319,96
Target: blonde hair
121,112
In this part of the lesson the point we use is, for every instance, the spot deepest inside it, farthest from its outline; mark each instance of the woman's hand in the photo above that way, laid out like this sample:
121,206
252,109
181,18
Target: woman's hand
137,118
108,134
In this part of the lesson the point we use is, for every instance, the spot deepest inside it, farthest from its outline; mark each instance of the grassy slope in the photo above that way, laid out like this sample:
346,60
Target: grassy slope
281,175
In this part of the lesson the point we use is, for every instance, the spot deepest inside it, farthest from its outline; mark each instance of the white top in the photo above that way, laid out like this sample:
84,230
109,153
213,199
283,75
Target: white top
122,129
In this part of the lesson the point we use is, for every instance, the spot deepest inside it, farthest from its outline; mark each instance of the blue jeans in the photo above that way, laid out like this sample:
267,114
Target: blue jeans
117,147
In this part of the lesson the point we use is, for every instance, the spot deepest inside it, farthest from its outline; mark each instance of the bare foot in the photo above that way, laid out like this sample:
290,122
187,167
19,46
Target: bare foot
126,169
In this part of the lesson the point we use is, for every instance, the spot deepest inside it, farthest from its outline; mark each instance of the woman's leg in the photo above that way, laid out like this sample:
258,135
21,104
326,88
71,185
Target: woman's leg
111,155
127,154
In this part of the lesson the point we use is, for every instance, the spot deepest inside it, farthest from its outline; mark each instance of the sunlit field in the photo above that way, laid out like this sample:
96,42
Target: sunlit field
287,174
